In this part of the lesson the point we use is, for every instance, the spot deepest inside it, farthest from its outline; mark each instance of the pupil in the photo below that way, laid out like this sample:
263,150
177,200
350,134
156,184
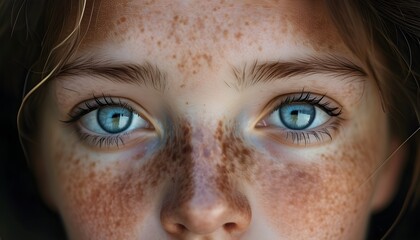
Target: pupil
295,115
116,120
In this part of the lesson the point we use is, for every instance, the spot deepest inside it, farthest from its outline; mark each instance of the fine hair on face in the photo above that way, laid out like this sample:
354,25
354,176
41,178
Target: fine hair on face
221,120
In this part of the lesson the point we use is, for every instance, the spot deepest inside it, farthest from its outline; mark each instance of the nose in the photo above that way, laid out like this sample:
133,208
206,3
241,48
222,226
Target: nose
205,205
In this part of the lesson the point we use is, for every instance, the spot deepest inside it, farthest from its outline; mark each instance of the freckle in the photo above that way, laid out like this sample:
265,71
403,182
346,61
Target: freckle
208,59
184,21
186,103
182,85
238,35
174,56
181,66
77,162
123,19
142,30
118,223
247,23
225,33
159,43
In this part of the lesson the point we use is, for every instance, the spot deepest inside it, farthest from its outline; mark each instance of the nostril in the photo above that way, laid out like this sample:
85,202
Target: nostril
175,228
180,228
230,226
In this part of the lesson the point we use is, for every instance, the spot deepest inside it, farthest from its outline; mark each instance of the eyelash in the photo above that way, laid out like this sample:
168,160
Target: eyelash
306,97
103,101
304,136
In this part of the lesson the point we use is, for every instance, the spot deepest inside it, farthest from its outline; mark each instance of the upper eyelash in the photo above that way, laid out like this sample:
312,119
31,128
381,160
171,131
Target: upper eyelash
314,100
102,101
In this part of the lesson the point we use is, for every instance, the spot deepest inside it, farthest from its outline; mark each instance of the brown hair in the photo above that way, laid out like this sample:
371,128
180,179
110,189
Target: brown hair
388,41
385,35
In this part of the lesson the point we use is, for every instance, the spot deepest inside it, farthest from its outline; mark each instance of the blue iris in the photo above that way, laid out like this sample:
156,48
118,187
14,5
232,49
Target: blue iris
297,116
114,119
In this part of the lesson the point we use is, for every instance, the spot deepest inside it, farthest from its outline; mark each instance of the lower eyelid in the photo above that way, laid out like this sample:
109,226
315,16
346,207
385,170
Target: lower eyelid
115,141
320,135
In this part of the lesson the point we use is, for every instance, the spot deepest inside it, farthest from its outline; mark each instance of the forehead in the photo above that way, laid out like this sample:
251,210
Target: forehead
209,24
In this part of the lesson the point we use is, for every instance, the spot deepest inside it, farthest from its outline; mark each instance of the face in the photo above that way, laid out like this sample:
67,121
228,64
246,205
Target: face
212,120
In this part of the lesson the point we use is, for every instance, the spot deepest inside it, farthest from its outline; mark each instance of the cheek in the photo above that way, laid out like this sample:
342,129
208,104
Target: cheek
111,197
327,196
97,199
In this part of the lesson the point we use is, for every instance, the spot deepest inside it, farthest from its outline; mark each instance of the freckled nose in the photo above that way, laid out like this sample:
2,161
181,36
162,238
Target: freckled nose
199,206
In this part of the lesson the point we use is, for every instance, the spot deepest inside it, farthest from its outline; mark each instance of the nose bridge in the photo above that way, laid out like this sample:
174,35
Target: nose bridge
202,199
203,175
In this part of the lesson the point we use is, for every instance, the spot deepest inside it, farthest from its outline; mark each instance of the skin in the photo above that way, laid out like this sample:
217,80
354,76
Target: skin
206,170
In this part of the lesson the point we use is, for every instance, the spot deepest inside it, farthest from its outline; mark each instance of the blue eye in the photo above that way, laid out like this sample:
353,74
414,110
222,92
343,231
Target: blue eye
302,118
114,119
108,120
297,116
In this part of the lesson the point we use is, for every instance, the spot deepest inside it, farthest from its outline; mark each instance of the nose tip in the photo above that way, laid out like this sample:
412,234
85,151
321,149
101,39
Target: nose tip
205,217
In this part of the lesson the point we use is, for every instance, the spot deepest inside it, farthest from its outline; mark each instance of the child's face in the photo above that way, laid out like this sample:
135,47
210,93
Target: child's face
227,120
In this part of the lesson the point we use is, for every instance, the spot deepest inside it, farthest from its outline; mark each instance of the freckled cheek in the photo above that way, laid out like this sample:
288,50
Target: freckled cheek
106,198
320,199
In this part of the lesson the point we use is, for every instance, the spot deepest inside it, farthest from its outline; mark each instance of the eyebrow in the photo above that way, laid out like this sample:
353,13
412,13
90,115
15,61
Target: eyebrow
144,74
266,72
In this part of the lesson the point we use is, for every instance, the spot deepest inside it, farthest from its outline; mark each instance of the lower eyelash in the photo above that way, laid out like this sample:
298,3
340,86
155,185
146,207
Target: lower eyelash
102,141
305,136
